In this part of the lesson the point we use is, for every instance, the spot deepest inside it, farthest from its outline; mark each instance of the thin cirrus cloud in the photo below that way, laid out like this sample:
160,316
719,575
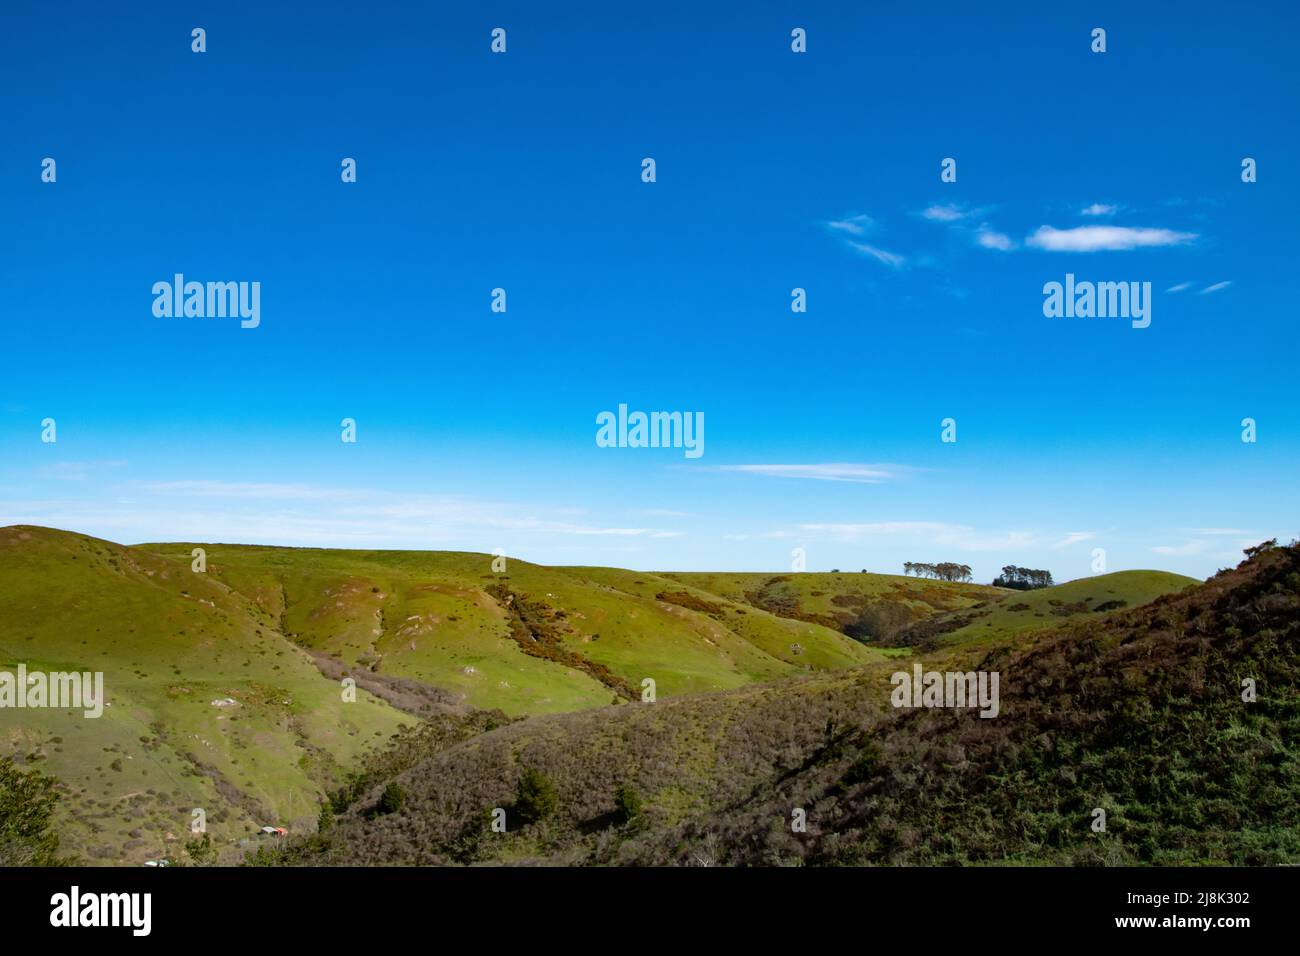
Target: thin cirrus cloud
1073,537
1184,286
852,228
857,473
1105,238
851,225
318,513
891,259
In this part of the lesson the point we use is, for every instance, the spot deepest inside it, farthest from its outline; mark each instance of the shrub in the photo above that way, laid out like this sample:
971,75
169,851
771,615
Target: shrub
393,799
535,796
627,804
202,852
27,804
866,766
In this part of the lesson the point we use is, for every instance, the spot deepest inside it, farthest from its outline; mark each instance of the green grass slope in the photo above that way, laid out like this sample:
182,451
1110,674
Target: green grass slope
532,640
273,630
168,642
868,607
1015,612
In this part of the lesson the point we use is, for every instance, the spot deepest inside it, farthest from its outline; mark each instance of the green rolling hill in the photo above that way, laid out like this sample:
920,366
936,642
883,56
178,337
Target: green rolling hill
224,691
1139,713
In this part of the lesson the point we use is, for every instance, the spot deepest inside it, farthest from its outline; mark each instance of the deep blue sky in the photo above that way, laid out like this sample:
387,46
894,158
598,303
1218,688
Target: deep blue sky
775,170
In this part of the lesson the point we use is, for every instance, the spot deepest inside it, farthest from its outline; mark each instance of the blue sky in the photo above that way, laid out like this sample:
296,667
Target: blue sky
775,170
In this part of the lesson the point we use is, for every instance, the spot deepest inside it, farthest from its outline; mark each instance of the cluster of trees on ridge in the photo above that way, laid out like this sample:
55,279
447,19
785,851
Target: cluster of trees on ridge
944,571
1022,579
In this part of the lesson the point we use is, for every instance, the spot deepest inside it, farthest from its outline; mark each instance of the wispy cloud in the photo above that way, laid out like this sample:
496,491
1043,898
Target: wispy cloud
1099,209
891,259
766,535
1215,288
831,471
945,212
851,228
304,514
853,225
1181,287
1074,537
1104,238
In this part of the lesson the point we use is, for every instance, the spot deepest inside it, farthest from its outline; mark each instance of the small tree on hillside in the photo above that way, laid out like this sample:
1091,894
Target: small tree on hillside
535,796
27,803
627,804
393,799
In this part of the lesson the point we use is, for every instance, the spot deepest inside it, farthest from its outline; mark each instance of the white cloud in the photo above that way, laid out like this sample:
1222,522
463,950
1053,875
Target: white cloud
853,225
1215,288
1099,209
1074,537
992,239
946,212
308,515
1104,238
888,258
831,471
1182,286
766,535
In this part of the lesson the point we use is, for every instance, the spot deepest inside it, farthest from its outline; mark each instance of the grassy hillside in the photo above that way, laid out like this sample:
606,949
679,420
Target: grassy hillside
1011,613
223,686
868,607
894,610
531,640
1138,712
169,643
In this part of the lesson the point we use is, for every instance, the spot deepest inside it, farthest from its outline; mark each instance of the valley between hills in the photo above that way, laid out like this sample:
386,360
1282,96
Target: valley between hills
403,708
